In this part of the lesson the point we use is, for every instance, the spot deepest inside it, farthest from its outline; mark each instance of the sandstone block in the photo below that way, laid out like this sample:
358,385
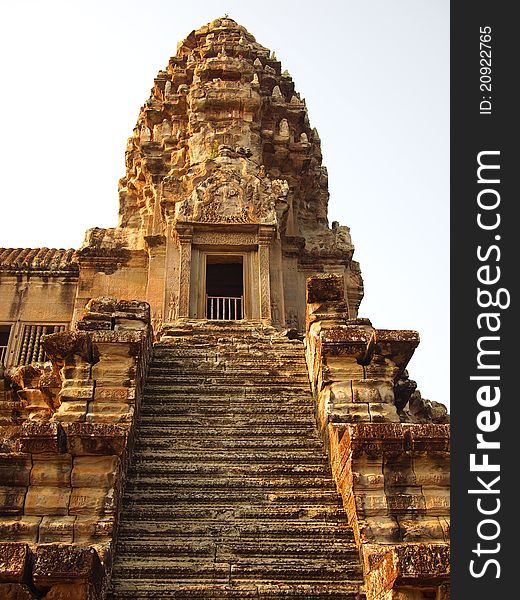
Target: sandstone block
71,411
109,412
367,481
445,524
15,469
36,404
399,470
76,394
56,529
47,500
115,369
71,346
437,500
381,529
132,324
95,438
51,470
432,468
76,371
65,564
343,368
12,499
420,529
102,304
349,413
75,382
372,391
419,561
371,504
36,437
430,437
70,591
116,394
405,498
95,471
341,392
383,413
13,559
87,501
327,287
93,529
23,528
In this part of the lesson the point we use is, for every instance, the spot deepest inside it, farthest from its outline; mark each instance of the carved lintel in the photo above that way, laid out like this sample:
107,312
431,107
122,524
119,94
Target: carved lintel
215,238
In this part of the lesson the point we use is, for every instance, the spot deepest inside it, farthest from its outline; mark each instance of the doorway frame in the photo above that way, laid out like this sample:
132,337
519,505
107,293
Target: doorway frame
239,255
247,257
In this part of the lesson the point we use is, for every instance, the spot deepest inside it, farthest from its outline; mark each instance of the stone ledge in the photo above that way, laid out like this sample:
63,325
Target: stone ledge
13,561
416,565
374,439
56,564
37,437
96,438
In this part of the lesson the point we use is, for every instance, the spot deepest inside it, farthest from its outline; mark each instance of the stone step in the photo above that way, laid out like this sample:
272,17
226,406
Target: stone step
229,493
259,374
270,383
199,369
280,569
165,472
326,513
266,365
158,481
228,432
162,531
229,420
201,496
186,590
281,443
173,410
236,390
244,349
232,551
168,397
299,457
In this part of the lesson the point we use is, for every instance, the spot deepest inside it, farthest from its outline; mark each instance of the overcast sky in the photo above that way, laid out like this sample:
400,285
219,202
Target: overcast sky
374,73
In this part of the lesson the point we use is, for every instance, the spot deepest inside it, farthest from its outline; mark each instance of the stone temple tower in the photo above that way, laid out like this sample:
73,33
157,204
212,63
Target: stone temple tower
190,406
223,207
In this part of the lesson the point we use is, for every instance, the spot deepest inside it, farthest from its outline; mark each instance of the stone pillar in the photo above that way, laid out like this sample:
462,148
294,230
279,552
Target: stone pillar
185,239
155,287
264,241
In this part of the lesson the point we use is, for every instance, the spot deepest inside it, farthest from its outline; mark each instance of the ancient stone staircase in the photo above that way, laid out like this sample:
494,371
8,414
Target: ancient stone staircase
229,494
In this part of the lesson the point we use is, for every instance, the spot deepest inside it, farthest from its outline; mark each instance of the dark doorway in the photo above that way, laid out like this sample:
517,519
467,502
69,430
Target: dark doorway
224,288
5,331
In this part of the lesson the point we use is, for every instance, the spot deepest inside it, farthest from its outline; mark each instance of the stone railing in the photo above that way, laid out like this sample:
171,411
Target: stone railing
393,477
65,447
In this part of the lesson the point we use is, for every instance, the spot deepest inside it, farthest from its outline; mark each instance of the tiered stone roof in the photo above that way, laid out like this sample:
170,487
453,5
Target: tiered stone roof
38,259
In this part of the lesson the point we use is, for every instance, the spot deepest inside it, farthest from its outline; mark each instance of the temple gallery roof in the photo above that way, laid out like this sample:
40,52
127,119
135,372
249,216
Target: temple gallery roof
38,259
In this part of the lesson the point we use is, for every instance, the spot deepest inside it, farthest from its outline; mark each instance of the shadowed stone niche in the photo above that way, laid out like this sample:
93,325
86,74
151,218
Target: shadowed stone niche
393,474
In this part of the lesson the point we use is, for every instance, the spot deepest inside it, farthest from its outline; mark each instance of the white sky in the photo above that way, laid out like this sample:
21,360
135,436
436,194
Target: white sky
375,75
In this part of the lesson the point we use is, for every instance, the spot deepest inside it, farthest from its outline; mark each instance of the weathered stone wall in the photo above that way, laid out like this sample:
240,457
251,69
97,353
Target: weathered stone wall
37,286
393,476
66,433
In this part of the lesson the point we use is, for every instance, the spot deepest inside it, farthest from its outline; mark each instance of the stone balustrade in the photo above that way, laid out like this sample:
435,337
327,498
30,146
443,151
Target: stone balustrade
393,476
64,457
